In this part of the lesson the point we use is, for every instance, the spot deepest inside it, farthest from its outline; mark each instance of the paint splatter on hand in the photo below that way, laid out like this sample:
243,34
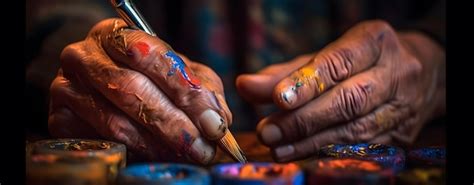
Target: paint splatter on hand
125,85
372,84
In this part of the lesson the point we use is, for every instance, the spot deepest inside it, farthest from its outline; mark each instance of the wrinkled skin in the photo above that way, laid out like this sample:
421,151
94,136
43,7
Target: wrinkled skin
119,84
372,84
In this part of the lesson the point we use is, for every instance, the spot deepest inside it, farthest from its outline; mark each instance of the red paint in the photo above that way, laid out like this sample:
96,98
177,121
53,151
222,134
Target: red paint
182,80
143,48
193,80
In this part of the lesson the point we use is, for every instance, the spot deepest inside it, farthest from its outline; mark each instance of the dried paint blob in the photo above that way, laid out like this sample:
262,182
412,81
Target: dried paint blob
388,156
68,157
257,174
165,173
422,176
348,171
429,156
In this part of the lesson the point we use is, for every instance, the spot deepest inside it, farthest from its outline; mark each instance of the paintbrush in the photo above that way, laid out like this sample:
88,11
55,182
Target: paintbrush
130,14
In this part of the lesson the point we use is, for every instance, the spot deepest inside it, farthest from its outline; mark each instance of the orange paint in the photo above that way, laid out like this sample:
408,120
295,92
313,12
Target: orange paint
48,158
307,72
349,164
260,172
193,79
307,75
113,159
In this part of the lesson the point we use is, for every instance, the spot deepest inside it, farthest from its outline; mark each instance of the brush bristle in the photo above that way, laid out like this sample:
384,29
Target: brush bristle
230,145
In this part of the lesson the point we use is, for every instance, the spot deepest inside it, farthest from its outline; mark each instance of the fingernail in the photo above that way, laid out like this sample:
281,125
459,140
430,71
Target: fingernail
271,134
212,124
202,151
289,96
284,151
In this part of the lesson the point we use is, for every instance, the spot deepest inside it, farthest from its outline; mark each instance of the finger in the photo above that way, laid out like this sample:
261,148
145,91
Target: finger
382,138
112,124
151,56
63,123
407,132
136,96
362,129
209,79
351,99
356,51
258,88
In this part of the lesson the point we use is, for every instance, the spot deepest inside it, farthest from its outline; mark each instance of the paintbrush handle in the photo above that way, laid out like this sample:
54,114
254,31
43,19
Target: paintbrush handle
128,12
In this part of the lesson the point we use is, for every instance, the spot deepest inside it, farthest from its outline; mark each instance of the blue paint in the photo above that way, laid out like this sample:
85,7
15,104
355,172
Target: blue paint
389,156
177,64
186,140
428,156
220,177
186,136
166,173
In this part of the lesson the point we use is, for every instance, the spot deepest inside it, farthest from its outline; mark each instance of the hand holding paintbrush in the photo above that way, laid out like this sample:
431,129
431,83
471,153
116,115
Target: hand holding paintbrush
203,104
128,86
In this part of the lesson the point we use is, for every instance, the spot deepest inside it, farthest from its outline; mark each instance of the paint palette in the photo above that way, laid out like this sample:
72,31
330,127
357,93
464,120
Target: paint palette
257,174
148,174
348,171
389,156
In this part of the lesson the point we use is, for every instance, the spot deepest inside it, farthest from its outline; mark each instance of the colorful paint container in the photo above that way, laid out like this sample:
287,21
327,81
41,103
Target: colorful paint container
257,174
75,155
348,171
389,156
163,174
48,169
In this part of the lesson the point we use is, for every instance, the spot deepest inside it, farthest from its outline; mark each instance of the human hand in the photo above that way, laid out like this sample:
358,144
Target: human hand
372,85
127,86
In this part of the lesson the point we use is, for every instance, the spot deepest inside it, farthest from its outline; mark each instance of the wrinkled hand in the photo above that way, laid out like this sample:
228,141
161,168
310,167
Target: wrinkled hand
127,86
371,85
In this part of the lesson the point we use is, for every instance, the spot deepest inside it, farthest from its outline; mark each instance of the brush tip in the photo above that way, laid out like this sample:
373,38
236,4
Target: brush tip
230,145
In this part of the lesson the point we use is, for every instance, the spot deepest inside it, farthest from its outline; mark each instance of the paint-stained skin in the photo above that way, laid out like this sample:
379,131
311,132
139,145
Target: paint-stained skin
303,77
308,75
143,48
186,139
178,66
